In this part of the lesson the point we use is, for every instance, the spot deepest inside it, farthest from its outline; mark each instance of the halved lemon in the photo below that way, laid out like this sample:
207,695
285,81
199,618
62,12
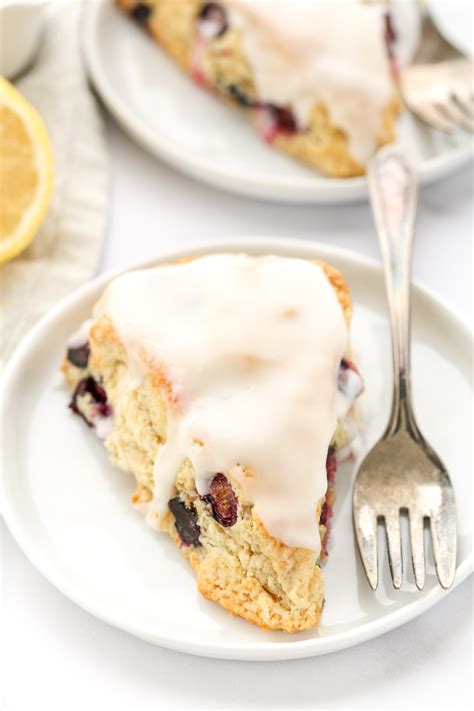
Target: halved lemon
26,171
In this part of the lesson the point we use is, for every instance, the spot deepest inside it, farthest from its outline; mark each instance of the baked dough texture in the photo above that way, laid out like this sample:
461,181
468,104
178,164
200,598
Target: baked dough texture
226,71
241,567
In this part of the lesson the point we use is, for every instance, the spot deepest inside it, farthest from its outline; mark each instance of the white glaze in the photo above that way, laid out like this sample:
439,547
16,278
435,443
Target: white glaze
350,387
103,426
251,347
308,52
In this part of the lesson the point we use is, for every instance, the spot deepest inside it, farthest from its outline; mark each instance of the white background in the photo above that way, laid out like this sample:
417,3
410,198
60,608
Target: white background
57,657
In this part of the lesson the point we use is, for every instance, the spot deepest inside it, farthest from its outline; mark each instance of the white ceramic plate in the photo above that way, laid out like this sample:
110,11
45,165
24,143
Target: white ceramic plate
456,20
193,131
69,509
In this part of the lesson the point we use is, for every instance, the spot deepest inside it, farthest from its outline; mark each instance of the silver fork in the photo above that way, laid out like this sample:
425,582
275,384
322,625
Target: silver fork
402,473
438,85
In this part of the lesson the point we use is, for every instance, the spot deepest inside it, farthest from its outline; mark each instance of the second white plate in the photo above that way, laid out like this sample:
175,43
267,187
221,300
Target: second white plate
69,509
196,133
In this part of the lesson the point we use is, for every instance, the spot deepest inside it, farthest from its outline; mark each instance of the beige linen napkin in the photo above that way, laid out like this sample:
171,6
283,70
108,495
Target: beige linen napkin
66,250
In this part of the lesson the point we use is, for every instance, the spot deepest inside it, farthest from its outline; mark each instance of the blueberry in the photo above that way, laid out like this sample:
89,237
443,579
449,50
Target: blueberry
212,20
239,96
223,501
185,522
141,12
90,386
323,519
390,33
79,356
331,465
283,118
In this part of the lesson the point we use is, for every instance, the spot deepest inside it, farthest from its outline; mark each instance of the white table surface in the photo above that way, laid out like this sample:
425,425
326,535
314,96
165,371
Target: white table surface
58,657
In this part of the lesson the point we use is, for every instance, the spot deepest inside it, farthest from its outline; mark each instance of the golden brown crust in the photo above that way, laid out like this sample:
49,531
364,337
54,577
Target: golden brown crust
171,24
340,286
247,571
322,145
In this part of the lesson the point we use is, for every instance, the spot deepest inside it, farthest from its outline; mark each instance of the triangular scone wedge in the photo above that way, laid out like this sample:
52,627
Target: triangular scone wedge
237,562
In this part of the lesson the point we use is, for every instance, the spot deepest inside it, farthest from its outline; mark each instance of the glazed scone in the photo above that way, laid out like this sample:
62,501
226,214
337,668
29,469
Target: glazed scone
314,76
223,384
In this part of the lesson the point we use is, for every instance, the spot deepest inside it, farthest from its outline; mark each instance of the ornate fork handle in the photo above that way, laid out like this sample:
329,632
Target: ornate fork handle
402,472
393,188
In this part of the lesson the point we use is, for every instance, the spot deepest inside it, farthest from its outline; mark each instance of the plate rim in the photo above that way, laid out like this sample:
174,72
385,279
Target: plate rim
256,651
290,191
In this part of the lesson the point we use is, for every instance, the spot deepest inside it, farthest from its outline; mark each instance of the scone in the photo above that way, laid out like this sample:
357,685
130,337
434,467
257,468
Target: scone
314,76
224,385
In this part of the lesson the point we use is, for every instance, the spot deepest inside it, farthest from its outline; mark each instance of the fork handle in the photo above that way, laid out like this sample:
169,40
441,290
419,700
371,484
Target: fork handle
393,189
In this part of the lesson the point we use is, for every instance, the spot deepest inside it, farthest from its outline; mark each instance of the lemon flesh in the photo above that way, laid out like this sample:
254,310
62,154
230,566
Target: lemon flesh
26,171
